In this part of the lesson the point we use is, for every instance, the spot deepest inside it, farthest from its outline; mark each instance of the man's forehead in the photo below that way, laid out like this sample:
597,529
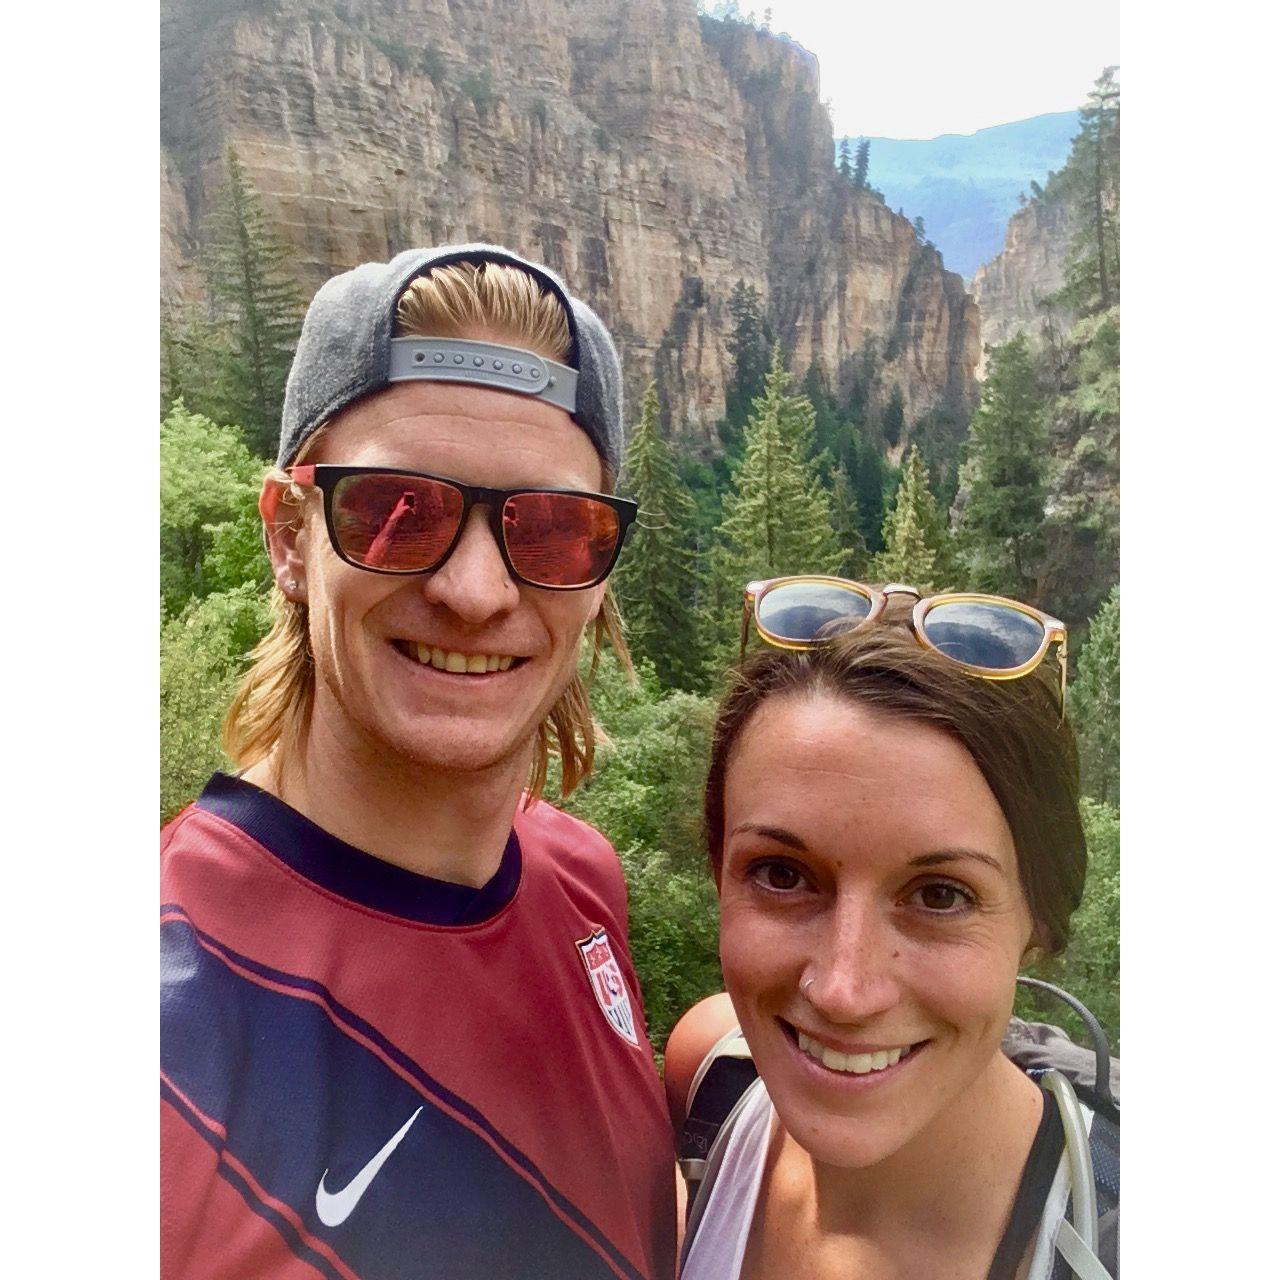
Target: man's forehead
427,424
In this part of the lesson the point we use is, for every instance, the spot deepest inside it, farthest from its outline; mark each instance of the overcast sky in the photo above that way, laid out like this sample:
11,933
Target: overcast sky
918,68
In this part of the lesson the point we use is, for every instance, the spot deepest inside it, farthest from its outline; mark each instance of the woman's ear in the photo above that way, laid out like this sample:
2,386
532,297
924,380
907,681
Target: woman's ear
281,526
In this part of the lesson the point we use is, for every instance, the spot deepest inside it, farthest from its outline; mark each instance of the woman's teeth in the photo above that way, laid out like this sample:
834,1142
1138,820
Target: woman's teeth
859,1064
461,663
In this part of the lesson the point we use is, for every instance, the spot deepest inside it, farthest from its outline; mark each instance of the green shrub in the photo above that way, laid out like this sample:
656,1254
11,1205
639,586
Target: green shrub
210,533
202,653
1089,968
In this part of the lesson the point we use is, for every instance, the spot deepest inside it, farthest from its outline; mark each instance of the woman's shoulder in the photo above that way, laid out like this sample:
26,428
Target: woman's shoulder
692,1039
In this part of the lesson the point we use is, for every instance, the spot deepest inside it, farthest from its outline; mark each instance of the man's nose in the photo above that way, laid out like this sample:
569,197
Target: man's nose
473,582
853,975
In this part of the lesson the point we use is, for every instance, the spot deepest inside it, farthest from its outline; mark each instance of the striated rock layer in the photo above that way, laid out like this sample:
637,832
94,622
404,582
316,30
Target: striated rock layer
651,157
1013,289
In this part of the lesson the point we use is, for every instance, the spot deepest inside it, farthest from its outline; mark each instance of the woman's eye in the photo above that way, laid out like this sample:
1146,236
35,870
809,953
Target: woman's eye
781,877
942,898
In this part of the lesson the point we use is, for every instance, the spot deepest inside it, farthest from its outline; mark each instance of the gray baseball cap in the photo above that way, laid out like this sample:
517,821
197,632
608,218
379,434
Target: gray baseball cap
347,350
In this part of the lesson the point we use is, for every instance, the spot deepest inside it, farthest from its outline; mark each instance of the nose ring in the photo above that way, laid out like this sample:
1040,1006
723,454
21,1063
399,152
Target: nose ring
804,987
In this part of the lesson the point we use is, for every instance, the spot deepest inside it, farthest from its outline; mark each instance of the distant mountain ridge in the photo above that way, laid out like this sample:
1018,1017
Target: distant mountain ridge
966,186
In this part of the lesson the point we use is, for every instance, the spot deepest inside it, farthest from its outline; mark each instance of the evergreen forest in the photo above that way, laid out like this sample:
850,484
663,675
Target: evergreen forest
803,483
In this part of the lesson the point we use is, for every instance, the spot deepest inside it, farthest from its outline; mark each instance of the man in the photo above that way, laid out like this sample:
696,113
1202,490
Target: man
401,1032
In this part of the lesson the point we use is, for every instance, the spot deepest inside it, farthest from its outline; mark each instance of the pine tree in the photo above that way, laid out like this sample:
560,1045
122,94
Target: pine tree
862,163
1094,700
777,517
657,578
749,345
255,297
847,523
1002,522
846,160
1092,180
918,227
894,417
916,544
192,361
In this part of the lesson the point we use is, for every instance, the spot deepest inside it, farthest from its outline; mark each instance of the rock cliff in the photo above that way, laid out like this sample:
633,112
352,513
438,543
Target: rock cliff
652,157
1012,290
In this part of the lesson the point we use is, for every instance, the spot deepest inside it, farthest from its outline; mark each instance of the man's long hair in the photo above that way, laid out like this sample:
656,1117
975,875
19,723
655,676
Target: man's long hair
271,710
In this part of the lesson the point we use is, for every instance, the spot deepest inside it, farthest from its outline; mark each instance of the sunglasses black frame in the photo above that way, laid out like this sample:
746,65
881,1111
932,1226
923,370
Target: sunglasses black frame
326,478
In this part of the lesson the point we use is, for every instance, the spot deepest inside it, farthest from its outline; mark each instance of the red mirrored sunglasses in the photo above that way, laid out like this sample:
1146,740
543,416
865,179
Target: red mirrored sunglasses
403,522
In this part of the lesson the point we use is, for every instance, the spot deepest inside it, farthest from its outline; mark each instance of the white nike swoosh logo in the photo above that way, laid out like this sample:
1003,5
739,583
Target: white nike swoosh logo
334,1208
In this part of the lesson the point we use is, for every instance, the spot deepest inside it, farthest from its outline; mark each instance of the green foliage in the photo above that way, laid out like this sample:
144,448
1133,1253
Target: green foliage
674,930
478,86
846,160
202,653
657,579
917,549
394,49
894,417
1091,182
847,524
750,345
1094,701
862,163
1005,466
1089,968
210,533
431,63
777,517
646,796
256,305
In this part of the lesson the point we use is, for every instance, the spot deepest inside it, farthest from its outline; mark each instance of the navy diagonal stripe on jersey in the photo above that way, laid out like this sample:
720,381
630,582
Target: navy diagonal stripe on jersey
432,1086
292,1238
263,1064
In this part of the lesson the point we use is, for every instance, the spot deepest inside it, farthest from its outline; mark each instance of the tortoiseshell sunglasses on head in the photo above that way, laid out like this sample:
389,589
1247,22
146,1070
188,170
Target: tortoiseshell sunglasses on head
989,636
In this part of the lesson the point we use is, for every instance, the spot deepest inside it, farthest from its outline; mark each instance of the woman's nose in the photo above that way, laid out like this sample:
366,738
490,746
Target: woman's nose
852,977
473,582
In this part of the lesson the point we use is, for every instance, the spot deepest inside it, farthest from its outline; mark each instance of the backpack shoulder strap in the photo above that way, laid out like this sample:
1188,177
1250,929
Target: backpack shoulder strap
700,1192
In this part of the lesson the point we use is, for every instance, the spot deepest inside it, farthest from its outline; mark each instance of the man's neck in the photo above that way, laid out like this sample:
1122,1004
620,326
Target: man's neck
452,826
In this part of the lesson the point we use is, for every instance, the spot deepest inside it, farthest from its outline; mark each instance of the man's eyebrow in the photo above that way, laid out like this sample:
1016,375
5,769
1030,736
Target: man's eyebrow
956,855
779,834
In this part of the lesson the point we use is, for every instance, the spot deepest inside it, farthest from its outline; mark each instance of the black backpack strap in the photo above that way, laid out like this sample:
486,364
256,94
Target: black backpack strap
721,1079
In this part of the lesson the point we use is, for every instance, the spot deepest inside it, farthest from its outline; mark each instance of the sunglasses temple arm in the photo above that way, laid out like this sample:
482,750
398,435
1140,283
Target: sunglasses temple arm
1062,667
746,624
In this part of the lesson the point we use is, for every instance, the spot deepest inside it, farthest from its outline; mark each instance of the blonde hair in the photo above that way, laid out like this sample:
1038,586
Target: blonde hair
271,710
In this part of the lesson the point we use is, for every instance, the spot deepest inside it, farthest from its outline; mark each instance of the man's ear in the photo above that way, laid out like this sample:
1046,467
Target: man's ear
281,527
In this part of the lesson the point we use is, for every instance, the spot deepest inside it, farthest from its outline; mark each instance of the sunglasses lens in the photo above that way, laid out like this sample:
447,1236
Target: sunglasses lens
992,636
402,524
804,611
560,539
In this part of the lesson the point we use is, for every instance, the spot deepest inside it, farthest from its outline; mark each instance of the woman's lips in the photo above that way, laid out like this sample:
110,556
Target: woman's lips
866,1065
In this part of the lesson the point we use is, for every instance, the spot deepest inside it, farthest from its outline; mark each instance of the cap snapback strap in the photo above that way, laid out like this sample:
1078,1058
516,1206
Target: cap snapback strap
485,364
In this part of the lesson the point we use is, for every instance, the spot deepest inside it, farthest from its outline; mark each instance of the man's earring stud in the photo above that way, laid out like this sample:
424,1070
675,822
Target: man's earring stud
292,584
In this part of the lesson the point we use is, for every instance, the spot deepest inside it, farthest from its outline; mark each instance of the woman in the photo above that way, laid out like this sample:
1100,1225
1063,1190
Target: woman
893,825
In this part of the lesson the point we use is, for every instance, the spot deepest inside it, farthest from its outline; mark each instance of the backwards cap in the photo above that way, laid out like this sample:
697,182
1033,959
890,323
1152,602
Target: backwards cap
347,350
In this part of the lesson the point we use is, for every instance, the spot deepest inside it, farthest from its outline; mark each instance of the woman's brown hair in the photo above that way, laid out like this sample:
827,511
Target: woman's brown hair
271,709
1013,729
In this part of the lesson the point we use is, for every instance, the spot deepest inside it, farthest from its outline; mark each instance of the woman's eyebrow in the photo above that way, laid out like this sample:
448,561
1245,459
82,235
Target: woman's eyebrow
779,834
956,855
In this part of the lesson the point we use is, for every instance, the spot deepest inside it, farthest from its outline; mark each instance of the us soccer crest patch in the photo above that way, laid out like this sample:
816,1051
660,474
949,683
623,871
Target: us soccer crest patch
607,984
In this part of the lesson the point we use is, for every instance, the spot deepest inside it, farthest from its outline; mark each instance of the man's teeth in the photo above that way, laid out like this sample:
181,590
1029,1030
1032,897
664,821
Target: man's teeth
471,663
857,1063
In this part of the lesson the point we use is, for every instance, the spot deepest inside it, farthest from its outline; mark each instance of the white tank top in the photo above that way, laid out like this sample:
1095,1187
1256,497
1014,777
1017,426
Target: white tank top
721,1240
717,1249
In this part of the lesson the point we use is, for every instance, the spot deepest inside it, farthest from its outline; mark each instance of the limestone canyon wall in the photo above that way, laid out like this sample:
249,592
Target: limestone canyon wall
652,157
1013,288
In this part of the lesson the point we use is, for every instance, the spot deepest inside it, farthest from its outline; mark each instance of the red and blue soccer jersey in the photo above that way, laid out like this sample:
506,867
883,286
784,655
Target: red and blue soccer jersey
366,1073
